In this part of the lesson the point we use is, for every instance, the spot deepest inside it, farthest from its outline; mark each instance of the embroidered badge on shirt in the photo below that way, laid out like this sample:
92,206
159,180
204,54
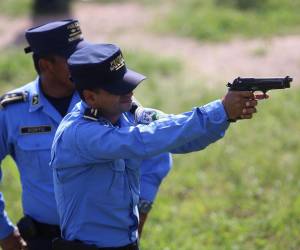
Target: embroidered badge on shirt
35,130
147,115
35,100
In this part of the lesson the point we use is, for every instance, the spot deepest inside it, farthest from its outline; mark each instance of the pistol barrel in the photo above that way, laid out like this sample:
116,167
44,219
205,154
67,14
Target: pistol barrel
260,84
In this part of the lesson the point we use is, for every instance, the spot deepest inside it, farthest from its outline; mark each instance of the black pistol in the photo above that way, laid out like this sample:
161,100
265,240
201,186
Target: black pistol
259,84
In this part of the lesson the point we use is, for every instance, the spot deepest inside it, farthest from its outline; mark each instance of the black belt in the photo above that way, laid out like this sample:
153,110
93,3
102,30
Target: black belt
47,230
61,244
30,228
132,246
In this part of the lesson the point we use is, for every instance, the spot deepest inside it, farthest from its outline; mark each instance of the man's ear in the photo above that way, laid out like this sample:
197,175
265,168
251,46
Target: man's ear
89,97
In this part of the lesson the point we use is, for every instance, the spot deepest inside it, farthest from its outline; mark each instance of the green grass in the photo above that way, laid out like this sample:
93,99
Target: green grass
218,20
12,189
240,193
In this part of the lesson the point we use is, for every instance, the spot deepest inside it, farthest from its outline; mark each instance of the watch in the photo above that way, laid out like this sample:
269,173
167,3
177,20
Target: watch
144,206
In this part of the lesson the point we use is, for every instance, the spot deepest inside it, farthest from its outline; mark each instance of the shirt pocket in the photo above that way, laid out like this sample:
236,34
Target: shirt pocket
32,154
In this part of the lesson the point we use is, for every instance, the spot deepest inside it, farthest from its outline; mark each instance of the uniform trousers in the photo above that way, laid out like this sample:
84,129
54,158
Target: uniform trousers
38,236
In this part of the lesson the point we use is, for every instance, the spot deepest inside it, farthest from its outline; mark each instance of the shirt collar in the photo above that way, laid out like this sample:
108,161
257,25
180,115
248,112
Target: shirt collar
37,99
94,115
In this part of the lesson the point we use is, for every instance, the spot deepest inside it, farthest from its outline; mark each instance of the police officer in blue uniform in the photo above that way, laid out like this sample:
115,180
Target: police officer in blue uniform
27,136
29,117
99,147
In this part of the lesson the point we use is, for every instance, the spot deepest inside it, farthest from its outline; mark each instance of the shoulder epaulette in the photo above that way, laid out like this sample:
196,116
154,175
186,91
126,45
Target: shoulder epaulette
11,98
94,115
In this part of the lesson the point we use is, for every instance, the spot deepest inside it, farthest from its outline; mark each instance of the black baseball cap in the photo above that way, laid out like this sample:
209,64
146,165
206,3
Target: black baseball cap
103,66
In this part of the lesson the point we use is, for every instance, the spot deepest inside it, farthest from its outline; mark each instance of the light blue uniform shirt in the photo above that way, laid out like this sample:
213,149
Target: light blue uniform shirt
26,133
153,170
96,167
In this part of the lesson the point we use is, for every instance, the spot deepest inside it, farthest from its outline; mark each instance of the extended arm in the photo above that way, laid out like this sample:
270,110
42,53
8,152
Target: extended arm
142,141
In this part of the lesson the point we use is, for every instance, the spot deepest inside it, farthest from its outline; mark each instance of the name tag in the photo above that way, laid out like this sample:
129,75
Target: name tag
36,130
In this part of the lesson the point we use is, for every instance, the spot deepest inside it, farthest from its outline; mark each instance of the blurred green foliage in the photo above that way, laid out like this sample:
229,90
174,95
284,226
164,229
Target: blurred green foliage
162,76
244,4
16,68
15,7
11,188
219,20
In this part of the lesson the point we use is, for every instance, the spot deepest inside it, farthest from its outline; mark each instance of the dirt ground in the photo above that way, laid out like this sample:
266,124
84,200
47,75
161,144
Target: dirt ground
127,25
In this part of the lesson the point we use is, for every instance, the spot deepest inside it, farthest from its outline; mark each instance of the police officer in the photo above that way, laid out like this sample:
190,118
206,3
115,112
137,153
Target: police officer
29,117
98,148
27,137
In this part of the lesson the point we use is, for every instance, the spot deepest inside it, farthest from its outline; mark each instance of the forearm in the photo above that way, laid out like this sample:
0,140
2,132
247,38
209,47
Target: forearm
195,131
6,226
215,114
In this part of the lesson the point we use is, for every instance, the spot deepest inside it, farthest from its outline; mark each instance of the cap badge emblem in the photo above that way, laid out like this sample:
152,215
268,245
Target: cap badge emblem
117,63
